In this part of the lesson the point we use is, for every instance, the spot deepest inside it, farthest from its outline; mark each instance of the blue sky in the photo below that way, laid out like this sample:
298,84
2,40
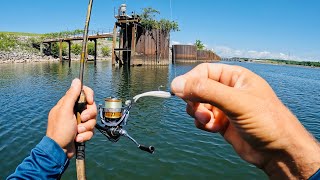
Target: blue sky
287,29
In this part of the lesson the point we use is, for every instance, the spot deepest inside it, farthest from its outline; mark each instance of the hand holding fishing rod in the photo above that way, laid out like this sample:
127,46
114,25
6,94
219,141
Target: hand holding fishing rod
62,123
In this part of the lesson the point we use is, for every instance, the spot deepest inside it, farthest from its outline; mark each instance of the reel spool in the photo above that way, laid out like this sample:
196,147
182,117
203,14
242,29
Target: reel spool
114,116
113,109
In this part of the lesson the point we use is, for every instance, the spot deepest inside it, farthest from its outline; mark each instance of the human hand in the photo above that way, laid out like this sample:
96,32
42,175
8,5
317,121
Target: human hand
62,122
243,107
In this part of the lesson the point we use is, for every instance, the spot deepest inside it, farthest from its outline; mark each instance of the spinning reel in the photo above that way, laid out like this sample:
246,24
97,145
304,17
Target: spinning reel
114,117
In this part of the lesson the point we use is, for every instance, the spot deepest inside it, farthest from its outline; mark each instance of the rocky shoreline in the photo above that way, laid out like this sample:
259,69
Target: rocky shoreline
24,57
29,57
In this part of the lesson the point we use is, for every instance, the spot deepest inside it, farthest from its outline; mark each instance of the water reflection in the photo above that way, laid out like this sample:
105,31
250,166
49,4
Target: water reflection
29,91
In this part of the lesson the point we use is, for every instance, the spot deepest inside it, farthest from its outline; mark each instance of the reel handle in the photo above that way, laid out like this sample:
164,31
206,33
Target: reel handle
149,149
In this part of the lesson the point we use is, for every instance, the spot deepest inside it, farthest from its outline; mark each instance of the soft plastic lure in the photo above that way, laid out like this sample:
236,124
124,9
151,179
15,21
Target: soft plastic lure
161,94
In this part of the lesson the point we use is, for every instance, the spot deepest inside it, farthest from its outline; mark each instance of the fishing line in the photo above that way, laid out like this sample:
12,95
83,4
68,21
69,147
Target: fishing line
128,64
172,54
161,94
113,114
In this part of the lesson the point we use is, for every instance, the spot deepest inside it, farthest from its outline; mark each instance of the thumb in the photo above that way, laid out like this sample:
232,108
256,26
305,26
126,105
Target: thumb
205,90
72,94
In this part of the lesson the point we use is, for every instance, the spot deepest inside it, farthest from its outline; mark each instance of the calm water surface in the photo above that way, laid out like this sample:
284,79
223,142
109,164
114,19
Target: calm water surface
29,91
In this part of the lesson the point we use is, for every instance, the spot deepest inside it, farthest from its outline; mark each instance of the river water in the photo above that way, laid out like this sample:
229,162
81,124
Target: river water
29,91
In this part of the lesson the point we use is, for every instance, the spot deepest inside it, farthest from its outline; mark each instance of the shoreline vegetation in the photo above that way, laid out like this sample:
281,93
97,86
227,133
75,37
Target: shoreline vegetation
277,62
21,47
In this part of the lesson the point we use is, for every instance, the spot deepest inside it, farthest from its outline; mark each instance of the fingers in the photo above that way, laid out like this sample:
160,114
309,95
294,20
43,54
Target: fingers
87,126
72,95
89,94
210,83
86,136
208,118
212,124
88,118
89,113
85,130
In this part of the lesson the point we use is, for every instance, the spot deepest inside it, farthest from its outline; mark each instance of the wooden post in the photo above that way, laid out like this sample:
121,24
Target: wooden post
69,54
50,48
121,46
133,44
157,41
95,51
41,48
114,44
60,50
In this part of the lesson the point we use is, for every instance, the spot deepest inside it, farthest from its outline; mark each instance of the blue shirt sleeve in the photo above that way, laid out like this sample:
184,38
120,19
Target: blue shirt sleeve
315,176
46,161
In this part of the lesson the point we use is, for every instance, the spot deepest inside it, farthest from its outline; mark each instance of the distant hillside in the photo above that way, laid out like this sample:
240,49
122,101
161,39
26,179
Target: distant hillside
20,33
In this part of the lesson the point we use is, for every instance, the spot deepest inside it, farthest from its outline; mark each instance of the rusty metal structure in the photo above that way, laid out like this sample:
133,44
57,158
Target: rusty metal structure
189,53
207,55
184,52
137,45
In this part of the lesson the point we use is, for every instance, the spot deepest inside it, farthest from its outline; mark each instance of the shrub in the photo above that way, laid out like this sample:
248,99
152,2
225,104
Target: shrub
77,32
76,49
90,49
34,43
55,49
7,42
105,51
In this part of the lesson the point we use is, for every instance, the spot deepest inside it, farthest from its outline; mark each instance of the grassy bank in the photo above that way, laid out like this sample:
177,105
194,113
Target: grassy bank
290,62
18,41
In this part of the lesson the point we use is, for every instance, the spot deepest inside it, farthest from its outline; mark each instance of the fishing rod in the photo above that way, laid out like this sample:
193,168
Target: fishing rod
81,104
113,115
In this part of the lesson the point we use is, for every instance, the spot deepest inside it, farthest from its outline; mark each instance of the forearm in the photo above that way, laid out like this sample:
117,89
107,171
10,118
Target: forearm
46,161
300,160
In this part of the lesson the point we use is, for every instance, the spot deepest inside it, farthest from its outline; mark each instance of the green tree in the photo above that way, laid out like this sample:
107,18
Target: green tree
149,21
90,48
76,49
199,45
105,51
55,49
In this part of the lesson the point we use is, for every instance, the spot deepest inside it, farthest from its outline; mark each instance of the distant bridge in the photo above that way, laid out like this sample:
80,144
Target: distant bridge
75,38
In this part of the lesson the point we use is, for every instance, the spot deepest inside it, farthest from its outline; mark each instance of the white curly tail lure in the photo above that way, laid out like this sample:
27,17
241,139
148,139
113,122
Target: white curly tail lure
161,94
